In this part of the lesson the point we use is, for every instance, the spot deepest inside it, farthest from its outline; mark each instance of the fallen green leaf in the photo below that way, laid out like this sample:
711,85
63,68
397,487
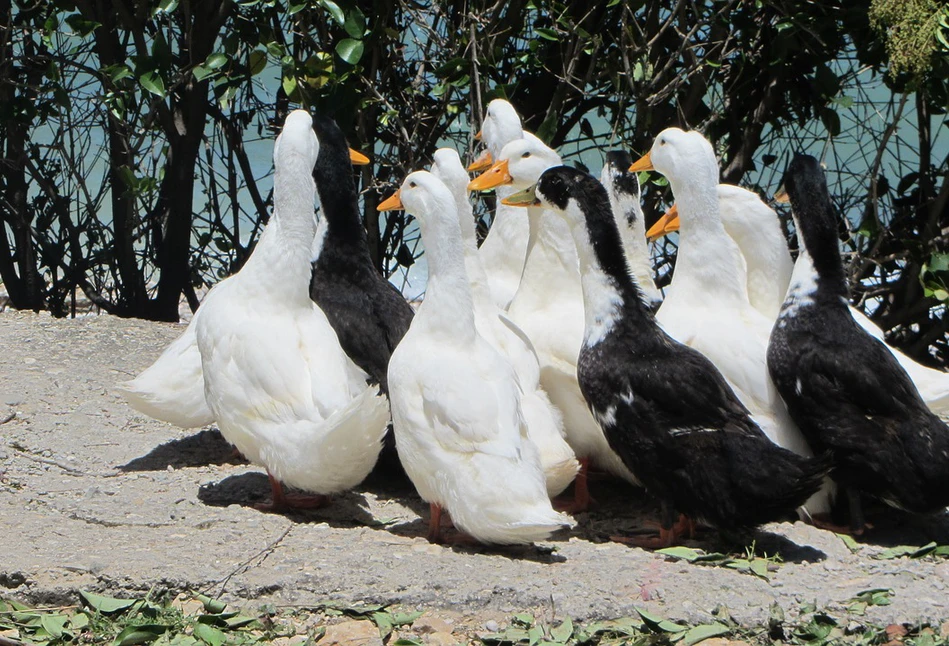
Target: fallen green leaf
105,605
699,633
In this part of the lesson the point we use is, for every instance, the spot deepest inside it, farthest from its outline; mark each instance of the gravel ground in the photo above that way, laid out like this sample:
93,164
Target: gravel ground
95,496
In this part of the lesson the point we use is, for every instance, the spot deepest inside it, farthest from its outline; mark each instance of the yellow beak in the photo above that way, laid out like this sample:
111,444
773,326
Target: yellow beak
357,158
479,135
527,197
391,203
782,195
665,225
483,162
644,163
494,176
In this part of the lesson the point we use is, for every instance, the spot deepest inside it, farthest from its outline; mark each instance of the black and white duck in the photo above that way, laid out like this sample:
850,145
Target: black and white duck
844,389
665,408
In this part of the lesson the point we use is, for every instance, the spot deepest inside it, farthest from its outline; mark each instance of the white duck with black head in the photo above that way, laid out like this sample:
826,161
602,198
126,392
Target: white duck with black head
276,379
544,422
842,386
664,407
548,306
456,405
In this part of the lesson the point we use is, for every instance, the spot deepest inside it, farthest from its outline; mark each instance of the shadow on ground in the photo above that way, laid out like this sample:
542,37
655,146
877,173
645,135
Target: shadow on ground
348,509
198,450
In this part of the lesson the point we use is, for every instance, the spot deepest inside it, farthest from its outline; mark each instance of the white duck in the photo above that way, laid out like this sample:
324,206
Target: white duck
455,401
548,307
172,388
756,229
504,249
706,305
278,383
544,423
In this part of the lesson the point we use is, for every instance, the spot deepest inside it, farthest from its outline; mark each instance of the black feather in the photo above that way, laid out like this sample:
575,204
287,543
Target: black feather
367,312
844,389
664,407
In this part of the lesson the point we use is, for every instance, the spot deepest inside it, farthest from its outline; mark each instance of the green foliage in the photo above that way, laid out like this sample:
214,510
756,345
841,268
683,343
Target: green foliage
915,30
748,563
131,131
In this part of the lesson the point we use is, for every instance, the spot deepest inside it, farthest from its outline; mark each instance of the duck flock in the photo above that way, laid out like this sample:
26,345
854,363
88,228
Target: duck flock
749,392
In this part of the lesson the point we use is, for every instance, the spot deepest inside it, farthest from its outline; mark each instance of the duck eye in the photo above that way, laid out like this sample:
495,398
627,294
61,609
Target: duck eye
662,142
412,184
525,155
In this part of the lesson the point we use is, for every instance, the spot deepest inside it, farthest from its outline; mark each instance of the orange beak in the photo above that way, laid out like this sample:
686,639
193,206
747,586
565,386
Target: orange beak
479,135
644,163
494,176
357,158
483,162
782,195
391,203
665,225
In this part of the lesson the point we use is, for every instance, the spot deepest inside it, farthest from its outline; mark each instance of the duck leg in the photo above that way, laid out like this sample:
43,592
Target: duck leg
434,523
858,524
283,501
581,491
669,530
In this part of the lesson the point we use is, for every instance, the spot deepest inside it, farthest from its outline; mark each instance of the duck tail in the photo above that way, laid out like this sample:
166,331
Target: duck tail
172,388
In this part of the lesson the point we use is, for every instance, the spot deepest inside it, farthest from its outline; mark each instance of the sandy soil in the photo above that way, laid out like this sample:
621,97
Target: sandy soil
95,496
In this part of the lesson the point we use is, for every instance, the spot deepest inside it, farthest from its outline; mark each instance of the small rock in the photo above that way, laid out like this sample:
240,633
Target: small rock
944,630
441,639
352,633
492,626
426,624
896,631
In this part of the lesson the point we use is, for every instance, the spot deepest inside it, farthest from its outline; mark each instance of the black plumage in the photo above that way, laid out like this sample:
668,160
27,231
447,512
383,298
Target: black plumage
843,388
367,312
624,179
664,407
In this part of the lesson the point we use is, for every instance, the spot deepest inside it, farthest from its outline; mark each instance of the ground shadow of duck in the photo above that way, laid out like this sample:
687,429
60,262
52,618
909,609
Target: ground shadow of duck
201,449
345,510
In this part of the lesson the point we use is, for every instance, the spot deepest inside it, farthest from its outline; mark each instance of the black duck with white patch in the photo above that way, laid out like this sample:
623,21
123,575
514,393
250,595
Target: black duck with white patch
665,409
367,312
622,185
842,387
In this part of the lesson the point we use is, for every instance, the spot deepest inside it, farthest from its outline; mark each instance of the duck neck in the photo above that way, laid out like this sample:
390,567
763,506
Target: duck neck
551,255
340,202
633,234
609,292
708,262
448,293
820,255
284,250
480,290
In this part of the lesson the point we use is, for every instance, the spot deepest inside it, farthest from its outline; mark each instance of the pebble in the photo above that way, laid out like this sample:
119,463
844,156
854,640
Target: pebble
492,626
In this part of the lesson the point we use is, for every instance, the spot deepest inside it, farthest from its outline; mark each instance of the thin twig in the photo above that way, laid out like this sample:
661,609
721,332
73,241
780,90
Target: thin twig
245,565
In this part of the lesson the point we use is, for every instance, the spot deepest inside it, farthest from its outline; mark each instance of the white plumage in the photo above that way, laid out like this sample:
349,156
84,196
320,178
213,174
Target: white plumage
548,305
544,422
172,388
278,383
455,402
707,305
504,249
